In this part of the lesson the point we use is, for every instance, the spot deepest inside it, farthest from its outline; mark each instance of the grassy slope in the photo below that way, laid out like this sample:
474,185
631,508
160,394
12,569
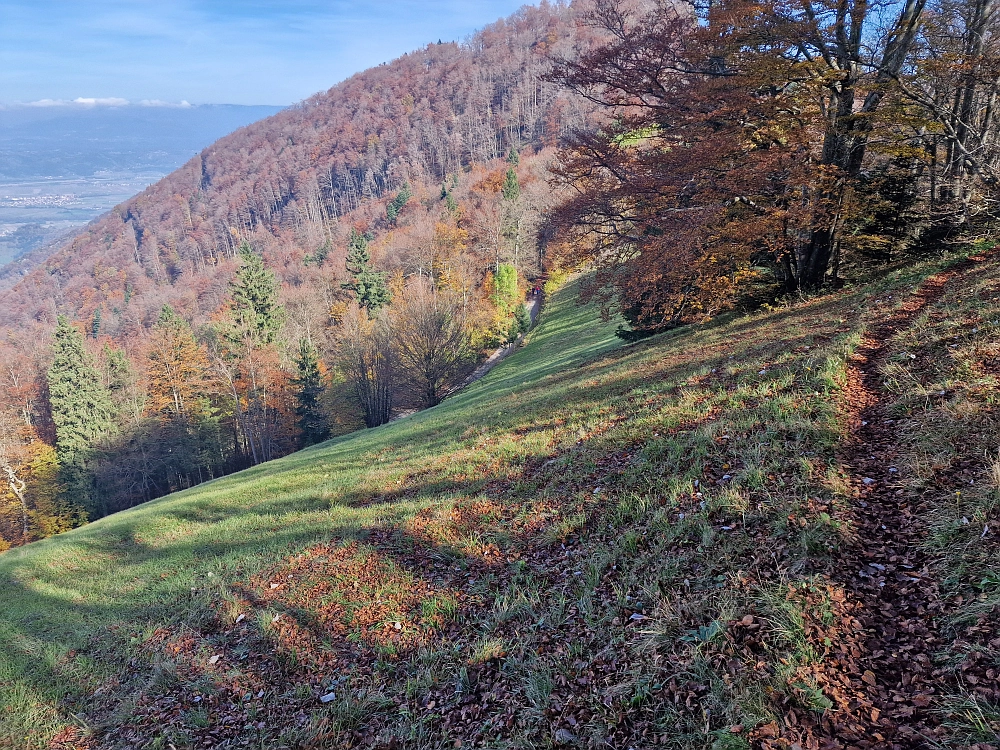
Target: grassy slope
139,568
593,544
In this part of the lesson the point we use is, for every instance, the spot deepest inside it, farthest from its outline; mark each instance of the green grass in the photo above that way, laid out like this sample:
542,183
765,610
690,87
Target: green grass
75,605
570,548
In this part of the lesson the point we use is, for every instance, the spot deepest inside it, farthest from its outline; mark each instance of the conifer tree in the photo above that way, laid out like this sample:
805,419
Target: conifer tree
522,319
369,286
254,303
309,390
82,411
512,212
511,187
95,324
249,363
119,375
396,204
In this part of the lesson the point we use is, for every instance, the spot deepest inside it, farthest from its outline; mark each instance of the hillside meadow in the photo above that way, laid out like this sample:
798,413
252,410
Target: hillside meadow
597,544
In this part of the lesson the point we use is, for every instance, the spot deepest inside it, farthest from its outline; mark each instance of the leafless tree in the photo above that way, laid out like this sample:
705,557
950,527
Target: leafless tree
11,453
368,359
431,338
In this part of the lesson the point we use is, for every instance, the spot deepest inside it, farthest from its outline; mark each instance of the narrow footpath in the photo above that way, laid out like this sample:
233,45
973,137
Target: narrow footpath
890,685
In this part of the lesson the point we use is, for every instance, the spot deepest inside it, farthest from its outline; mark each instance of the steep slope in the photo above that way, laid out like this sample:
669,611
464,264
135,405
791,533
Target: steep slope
436,163
661,544
284,182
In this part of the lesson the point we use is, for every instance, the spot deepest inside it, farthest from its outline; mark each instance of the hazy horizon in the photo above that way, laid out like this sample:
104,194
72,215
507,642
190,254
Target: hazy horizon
117,102
62,166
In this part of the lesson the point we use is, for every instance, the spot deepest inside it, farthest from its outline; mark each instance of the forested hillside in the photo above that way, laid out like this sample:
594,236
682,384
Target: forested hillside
227,314
770,523
284,182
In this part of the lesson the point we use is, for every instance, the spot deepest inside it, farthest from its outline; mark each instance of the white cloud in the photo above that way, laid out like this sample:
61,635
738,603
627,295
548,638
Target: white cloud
81,101
108,101
183,104
49,103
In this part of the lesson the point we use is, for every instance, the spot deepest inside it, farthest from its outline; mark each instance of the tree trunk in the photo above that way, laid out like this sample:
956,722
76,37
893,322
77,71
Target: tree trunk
18,486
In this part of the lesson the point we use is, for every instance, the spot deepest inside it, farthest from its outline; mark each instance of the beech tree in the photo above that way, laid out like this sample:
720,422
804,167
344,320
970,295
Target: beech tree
12,452
505,295
177,368
367,357
732,143
957,81
181,385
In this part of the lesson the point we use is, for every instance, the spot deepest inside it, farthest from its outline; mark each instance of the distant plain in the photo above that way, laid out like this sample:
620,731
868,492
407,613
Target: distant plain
62,166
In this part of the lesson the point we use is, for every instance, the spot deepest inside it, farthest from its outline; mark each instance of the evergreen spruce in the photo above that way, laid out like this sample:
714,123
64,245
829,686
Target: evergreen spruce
319,257
83,414
309,390
369,287
254,303
511,187
396,204
523,318
513,157
95,324
118,375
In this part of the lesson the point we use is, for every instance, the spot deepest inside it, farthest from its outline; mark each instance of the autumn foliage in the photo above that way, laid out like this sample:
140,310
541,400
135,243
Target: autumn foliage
752,149
326,268
351,258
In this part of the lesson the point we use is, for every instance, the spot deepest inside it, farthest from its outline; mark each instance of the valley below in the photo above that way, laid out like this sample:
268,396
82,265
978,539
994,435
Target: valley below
62,166
36,212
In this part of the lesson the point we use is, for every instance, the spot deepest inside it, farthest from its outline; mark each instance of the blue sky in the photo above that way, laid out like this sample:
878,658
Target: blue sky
214,51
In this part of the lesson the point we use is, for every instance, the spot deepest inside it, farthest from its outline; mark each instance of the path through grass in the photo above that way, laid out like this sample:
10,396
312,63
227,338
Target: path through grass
595,545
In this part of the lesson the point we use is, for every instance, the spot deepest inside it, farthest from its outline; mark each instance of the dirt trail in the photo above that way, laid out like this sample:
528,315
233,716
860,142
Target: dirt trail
533,307
886,573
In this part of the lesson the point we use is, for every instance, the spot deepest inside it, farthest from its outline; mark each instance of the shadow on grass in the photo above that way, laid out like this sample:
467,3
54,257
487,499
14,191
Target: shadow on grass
152,556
